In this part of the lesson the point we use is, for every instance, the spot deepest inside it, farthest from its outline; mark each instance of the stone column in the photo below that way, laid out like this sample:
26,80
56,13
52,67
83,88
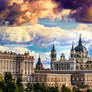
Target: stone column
22,67
16,67
30,68
7,65
25,68
2,65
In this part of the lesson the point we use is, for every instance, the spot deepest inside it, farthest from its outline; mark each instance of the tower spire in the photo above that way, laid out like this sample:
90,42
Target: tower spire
72,46
39,59
80,41
53,49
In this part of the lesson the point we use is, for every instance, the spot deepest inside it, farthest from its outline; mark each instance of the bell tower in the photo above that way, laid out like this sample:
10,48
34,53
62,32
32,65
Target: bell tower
53,57
72,51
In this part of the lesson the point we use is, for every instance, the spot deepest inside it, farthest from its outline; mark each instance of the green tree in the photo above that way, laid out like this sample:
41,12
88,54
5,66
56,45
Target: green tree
11,87
89,90
20,84
1,77
30,87
8,85
1,90
65,89
75,89
39,88
52,89
8,77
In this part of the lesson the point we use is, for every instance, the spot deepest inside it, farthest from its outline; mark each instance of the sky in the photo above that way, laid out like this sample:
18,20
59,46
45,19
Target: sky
34,25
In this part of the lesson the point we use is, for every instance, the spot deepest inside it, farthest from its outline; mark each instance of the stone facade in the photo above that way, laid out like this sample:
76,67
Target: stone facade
52,79
59,78
78,60
17,64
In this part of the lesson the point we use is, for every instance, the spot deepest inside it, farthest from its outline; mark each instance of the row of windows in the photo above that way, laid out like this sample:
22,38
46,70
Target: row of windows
50,79
58,84
62,66
77,78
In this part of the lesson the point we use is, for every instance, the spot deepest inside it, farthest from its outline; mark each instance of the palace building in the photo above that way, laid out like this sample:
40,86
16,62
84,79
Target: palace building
17,64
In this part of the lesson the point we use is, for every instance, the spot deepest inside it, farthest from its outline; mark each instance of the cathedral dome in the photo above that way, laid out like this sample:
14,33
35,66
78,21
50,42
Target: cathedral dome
80,47
39,65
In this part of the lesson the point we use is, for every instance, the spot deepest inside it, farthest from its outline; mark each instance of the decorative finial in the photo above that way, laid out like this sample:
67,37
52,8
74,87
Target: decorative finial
39,55
53,49
72,45
80,41
80,36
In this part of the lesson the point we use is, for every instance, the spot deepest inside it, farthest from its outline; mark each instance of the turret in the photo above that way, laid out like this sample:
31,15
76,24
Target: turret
53,57
39,65
62,57
72,51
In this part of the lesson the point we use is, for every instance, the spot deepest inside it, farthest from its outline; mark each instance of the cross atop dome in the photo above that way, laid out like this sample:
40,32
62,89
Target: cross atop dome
72,47
80,41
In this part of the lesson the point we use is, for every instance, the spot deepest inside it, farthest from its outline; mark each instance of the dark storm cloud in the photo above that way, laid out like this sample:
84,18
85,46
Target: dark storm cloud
81,9
72,4
3,4
83,14
18,12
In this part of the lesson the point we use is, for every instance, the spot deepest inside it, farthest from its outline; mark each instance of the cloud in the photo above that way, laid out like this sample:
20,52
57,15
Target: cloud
82,27
84,14
45,57
80,10
39,35
30,33
72,4
2,48
43,37
22,12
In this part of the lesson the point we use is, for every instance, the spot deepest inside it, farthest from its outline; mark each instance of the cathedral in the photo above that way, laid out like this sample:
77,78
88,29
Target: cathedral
78,60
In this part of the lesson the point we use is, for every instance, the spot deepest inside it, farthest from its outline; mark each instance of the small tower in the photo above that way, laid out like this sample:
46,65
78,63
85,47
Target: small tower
72,51
53,57
62,57
39,65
